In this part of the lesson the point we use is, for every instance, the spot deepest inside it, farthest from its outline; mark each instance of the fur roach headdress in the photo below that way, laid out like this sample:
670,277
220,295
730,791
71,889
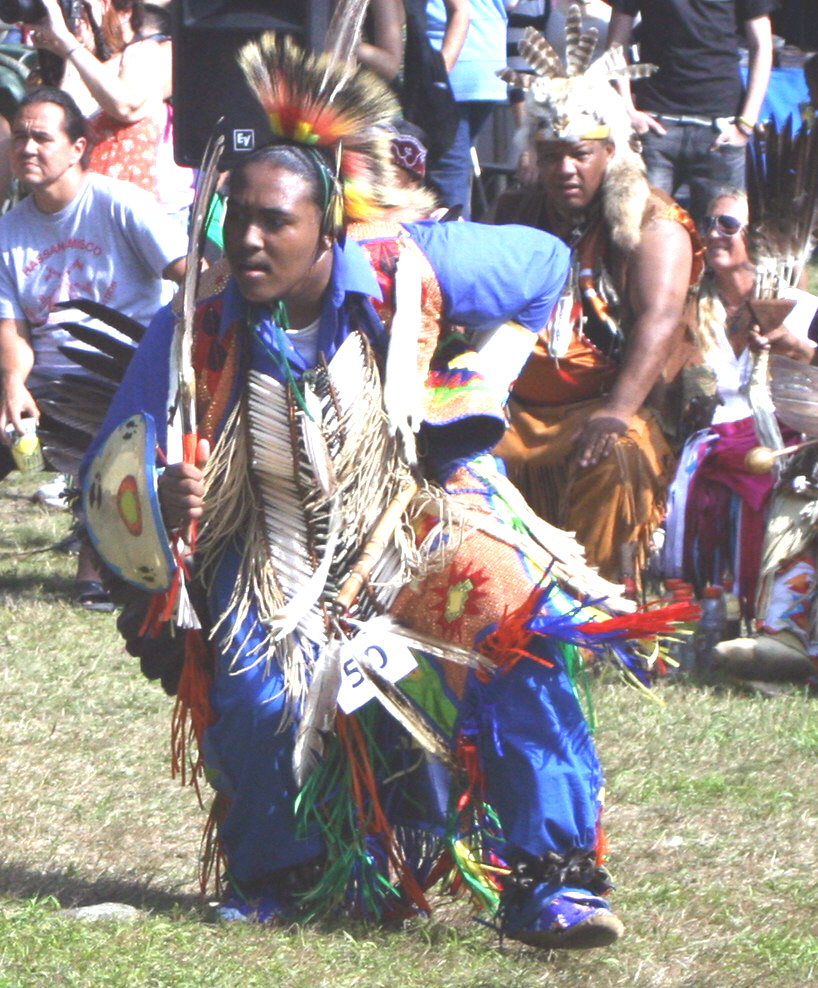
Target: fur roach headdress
327,103
575,102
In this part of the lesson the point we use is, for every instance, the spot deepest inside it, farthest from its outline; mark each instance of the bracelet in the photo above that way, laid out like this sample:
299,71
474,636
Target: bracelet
747,127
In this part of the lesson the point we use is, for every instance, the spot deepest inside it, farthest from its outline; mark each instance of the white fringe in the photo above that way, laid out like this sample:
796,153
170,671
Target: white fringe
402,394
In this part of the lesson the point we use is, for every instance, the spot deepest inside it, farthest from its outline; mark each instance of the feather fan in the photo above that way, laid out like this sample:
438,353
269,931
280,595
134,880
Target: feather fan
97,363
75,404
119,350
782,190
117,321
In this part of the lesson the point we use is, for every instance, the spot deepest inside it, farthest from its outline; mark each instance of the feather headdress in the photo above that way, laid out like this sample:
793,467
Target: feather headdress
328,103
575,101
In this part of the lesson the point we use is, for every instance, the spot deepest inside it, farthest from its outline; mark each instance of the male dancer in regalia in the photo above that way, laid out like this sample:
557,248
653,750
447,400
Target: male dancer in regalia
331,395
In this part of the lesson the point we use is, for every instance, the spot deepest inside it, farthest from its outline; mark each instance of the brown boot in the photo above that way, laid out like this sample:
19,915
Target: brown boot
772,658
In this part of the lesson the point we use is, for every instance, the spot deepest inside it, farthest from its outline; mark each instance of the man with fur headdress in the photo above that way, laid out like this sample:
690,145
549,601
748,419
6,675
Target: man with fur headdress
585,443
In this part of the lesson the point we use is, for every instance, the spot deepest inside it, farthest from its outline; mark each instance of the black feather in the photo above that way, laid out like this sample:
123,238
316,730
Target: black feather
111,346
103,313
95,362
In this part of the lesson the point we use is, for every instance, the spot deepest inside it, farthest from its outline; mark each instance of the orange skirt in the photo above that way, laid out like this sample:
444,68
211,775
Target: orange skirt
613,507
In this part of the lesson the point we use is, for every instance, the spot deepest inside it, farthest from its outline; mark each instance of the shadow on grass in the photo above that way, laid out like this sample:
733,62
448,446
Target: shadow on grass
54,586
720,683
35,543
15,495
452,924
17,881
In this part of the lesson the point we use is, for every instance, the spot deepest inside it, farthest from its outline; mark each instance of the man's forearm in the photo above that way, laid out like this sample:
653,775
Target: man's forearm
16,362
620,30
648,351
759,38
458,18
16,355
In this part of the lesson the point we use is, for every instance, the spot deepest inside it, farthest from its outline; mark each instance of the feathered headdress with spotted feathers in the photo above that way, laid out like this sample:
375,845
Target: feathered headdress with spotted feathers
327,102
575,101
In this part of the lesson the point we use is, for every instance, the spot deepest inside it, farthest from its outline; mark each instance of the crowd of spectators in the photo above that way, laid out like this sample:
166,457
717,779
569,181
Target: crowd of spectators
694,116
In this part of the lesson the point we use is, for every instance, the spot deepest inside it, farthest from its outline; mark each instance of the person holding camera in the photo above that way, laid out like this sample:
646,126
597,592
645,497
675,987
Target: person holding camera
132,128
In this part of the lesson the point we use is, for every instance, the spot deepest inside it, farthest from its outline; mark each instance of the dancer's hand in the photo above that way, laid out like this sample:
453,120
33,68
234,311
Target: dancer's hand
597,437
181,490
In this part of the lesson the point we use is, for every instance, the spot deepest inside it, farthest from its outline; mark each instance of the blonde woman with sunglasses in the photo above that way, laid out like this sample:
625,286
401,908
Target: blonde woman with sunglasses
718,509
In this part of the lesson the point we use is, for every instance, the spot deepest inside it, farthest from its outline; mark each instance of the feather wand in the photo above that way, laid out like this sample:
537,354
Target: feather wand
183,342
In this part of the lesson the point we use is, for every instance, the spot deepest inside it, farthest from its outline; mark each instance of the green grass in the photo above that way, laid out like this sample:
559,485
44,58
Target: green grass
712,820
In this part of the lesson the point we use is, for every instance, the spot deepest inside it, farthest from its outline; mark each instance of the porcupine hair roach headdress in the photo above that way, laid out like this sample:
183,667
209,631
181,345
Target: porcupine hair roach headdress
340,113
575,102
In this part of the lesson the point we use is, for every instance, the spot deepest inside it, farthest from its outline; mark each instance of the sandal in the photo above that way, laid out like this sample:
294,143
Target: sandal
91,595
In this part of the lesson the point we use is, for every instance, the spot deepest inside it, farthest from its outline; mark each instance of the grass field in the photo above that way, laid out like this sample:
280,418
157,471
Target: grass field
712,819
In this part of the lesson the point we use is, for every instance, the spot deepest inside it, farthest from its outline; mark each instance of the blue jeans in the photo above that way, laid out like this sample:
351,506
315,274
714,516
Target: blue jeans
452,172
682,156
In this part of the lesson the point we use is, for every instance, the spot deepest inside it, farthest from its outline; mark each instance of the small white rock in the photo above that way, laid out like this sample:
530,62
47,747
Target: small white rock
119,912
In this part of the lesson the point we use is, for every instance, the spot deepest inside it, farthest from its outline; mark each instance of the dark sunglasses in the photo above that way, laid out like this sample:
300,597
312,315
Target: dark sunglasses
726,224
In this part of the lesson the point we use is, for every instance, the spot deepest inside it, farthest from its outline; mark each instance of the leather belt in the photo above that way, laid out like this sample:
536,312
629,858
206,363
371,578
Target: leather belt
713,123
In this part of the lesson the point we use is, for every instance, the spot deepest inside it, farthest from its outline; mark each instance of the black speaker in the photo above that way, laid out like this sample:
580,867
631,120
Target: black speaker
207,82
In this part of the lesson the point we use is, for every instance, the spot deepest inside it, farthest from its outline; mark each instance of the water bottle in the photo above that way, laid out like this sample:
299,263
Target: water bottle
681,649
711,629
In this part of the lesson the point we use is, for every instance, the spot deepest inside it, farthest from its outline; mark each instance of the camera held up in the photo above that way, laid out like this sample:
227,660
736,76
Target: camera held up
32,12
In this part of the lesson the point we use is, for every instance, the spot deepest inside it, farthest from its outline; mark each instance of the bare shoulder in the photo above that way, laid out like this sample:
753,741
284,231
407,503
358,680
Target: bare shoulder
145,55
661,266
663,236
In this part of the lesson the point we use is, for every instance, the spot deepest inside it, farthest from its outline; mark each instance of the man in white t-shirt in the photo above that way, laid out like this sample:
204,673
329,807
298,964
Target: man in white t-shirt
77,235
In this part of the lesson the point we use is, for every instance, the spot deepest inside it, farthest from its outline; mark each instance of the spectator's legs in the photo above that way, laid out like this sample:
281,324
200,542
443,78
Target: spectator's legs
711,172
452,172
662,154
682,157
